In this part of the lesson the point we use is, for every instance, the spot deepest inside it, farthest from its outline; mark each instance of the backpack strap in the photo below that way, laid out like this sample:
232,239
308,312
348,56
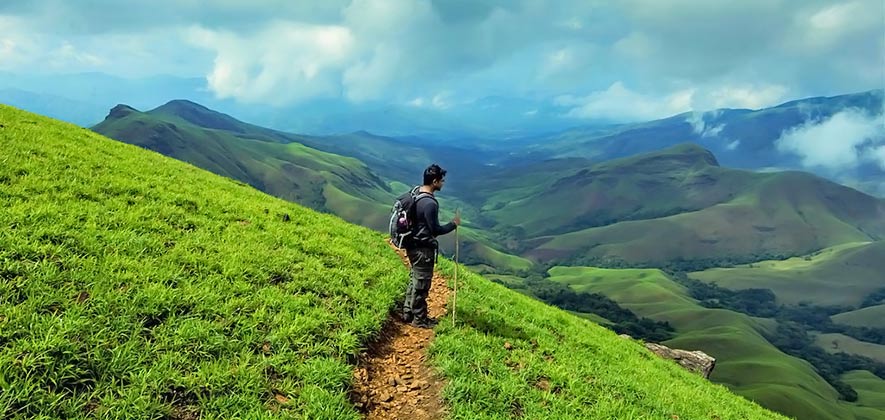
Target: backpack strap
421,195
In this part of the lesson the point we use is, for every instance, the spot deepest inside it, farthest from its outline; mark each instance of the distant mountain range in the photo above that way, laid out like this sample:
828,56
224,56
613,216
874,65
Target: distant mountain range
625,210
510,130
566,210
740,138
271,161
488,117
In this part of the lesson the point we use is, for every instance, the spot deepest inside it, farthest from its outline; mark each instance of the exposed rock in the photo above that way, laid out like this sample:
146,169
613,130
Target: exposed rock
694,361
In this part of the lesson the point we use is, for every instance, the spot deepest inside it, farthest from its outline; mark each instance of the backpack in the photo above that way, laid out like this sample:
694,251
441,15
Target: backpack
403,219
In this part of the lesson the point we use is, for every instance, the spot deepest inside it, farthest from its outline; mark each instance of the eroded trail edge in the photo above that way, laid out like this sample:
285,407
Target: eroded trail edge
393,379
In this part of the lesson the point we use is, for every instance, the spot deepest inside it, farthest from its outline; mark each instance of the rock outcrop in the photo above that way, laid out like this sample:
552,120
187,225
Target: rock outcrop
693,361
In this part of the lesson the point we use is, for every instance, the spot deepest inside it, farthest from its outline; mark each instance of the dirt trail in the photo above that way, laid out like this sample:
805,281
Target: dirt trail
393,379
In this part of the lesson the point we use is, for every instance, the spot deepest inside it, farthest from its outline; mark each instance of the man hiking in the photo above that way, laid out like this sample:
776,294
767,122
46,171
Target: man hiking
422,247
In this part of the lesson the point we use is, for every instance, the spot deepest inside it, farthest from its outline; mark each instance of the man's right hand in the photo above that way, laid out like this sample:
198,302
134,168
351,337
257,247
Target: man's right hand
457,220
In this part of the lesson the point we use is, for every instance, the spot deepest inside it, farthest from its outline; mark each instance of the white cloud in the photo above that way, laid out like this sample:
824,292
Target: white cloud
441,100
733,145
826,27
369,79
836,143
282,63
699,125
68,54
401,49
752,97
622,104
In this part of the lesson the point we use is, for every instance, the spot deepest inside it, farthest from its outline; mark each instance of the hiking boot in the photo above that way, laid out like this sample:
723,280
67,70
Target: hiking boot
425,323
407,318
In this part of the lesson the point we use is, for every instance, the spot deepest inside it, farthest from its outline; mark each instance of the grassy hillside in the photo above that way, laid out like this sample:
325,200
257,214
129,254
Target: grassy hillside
270,161
870,393
746,362
707,215
857,266
560,366
835,343
137,284
668,182
872,316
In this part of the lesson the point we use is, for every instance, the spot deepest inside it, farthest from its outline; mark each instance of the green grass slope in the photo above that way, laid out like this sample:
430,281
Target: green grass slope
137,286
703,212
870,393
745,361
671,181
560,366
270,161
835,343
872,316
840,275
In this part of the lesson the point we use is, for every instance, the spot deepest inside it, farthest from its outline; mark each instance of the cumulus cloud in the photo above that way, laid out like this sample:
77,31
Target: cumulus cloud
829,24
261,67
620,103
747,96
837,143
402,49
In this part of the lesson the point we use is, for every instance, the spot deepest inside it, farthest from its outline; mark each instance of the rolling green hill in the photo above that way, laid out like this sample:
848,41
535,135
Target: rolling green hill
268,160
870,392
746,361
840,275
619,212
557,365
835,343
352,176
872,316
138,286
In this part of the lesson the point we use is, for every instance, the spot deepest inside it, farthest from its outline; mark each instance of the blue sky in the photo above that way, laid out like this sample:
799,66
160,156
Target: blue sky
622,60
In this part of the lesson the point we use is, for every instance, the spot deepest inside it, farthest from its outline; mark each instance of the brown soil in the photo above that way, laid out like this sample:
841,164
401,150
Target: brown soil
393,379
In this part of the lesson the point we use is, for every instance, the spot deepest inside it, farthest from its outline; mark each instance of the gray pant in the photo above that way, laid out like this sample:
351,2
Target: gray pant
422,261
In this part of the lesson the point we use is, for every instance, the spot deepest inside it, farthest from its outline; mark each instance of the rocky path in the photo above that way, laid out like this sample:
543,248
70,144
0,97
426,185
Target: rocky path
393,379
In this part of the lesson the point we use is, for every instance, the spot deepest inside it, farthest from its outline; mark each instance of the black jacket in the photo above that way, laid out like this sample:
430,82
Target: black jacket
427,227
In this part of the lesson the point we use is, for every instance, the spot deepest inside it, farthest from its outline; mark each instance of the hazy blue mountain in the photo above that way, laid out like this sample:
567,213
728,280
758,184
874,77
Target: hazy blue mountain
740,138
490,117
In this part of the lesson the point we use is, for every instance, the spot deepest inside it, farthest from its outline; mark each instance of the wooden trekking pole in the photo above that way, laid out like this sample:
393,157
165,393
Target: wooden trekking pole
455,295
